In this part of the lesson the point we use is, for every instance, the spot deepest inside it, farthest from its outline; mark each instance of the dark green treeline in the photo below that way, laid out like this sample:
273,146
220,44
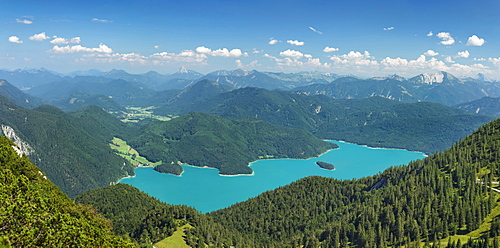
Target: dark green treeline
426,200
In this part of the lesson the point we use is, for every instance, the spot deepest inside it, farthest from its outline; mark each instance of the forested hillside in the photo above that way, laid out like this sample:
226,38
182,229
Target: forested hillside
20,98
428,200
147,220
444,198
35,213
374,121
202,139
485,105
72,150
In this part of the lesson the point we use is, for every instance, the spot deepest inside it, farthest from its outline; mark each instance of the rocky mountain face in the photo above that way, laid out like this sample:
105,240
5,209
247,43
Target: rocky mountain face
440,87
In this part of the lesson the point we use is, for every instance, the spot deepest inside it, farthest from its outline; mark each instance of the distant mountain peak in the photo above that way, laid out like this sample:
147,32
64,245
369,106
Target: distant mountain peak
434,78
183,70
393,77
116,71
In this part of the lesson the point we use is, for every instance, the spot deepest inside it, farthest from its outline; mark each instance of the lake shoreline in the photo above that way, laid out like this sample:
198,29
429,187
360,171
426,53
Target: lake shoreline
207,190
380,147
253,172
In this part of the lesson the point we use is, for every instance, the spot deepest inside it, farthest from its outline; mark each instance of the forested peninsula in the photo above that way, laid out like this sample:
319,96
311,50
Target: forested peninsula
201,139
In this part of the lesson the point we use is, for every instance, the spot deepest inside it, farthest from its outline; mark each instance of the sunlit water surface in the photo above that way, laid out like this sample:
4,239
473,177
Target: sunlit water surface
206,190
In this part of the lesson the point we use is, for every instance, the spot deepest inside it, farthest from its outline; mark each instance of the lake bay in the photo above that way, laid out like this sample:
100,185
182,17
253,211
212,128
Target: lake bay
206,190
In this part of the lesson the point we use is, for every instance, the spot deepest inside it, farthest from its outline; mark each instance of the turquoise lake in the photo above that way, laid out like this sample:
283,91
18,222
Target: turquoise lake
206,190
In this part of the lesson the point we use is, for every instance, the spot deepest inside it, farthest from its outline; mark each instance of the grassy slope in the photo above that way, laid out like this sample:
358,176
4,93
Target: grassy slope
176,240
130,154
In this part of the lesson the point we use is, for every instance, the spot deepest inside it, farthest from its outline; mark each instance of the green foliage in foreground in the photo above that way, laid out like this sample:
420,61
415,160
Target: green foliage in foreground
147,220
35,213
202,139
425,201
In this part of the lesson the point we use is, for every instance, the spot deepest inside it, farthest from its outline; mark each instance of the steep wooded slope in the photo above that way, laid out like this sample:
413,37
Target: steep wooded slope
73,151
424,201
147,220
35,213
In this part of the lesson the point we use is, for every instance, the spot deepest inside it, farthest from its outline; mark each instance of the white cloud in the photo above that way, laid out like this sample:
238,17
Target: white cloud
223,52
238,63
330,49
475,41
132,58
24,21
446,38
59,41
431,53
389,28
75,40
157,47
270,56
15,39
257,51
39,37
464,54
416,66
62,41
295,42
295,60
186,56
156,59
101,20
316,31
430,33
354,58
495,61
448,59
203,49
78,48
292,54
273,41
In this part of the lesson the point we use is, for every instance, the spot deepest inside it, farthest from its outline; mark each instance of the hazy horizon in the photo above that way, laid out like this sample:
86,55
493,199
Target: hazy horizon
362,38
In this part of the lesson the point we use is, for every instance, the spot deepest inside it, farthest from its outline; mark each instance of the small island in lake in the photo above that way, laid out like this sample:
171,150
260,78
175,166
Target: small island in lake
169,169
325,165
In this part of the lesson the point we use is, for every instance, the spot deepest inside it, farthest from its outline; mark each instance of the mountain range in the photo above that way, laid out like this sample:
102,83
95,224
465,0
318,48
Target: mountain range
224,121
439,87
373,121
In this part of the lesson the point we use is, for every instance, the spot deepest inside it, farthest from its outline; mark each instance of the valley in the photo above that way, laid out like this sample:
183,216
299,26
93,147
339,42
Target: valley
250,124
243,146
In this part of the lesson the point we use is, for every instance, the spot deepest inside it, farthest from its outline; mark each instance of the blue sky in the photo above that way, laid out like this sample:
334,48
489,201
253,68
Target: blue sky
364,38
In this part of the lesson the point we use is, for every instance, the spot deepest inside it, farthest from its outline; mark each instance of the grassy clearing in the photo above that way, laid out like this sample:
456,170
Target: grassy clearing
121,148
176,240
136,114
